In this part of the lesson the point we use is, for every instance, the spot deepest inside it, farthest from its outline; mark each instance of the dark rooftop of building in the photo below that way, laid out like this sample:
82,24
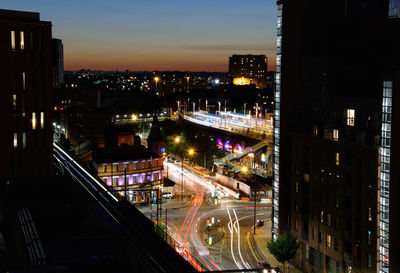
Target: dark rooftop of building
16,14
122,153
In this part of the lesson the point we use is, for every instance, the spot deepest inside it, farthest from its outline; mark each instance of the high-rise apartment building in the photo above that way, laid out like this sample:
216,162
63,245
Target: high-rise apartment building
337,133
248,69
26,95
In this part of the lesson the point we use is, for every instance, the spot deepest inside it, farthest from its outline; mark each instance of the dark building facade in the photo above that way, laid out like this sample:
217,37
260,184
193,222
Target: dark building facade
26,97
337,127
251,68
58,63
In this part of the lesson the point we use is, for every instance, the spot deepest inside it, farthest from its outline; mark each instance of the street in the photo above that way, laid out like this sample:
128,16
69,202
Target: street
230,221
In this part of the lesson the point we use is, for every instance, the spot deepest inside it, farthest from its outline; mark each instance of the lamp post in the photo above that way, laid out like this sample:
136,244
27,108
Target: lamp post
245,170
178,142
207,106
156,79
187,83
192,152
219,107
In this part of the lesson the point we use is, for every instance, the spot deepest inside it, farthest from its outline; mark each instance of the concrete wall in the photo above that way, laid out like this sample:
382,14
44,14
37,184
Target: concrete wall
232,183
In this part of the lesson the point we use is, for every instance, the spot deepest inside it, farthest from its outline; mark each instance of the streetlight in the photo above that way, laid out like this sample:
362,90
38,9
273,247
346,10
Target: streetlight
187,83
192,152
156,79
245,170
178,142
206,106
219,108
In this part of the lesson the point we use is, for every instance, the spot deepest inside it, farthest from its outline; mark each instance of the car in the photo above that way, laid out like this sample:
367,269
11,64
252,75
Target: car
167,195
263,265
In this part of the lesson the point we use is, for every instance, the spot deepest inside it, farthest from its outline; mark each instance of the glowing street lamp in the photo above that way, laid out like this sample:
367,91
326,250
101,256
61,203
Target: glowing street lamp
177,140
187,83
134,117
245,170
156,79
191,152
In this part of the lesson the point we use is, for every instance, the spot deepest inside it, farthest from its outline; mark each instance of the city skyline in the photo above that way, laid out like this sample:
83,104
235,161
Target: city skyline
178,35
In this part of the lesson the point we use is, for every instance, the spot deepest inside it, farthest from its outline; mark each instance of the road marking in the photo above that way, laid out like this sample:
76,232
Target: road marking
238,232
231,231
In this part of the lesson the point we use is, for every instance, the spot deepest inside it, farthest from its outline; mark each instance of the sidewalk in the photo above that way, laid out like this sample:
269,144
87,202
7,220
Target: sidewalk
258,243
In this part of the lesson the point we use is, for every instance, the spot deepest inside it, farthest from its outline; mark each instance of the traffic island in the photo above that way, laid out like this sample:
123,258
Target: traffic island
213,234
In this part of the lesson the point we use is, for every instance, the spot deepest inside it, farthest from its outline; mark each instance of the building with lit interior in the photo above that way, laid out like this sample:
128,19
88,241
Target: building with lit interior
26,97
129,168
337,126
248,69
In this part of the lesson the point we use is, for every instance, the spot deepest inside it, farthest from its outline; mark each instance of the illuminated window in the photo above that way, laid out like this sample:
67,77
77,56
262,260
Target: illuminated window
350,115
335,134
369,264
329,219
15,141
14,102
22,40
370,214
105,168
328,240
115,181
369,237
394,8
315,131
24,140
126,166
13,40
41,120
33,121
337,159
322,216
23,81
115,167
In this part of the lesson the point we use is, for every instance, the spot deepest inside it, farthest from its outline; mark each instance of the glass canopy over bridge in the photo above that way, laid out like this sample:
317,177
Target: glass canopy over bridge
236,123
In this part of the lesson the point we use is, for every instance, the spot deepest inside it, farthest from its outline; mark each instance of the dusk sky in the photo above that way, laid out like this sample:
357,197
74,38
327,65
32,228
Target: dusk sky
159,34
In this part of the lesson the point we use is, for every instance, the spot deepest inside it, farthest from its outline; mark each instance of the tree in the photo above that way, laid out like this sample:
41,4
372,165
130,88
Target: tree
284,248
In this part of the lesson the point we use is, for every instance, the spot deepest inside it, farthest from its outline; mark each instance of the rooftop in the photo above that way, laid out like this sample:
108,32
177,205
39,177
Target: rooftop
122,153
16,14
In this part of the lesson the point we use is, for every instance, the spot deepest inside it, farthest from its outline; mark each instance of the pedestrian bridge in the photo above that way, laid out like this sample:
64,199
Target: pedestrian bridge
243,125
240,124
